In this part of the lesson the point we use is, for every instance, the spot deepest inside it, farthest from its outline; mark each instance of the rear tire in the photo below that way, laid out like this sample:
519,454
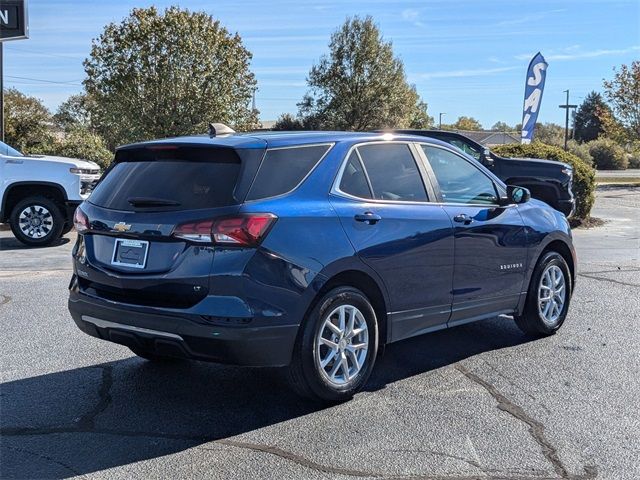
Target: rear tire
548,296
36,221
337,346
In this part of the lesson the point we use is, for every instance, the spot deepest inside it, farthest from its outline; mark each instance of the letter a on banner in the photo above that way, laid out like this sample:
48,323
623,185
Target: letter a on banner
534,86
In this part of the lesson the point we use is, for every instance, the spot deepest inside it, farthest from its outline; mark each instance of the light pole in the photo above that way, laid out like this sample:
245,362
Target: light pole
440,120
566,106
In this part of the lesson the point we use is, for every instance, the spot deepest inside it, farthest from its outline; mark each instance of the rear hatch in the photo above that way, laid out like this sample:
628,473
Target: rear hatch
130,253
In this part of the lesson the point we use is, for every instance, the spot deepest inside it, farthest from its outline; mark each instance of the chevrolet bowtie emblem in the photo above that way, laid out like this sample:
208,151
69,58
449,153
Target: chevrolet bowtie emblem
122,227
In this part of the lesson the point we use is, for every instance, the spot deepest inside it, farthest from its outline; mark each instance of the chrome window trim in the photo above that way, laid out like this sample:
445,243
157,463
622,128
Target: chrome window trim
335,188
288,147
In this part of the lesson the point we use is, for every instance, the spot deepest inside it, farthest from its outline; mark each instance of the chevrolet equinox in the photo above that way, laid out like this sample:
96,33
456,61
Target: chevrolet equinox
309,250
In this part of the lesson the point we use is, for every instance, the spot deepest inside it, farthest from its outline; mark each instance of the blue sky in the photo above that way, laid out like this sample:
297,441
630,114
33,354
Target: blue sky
466,57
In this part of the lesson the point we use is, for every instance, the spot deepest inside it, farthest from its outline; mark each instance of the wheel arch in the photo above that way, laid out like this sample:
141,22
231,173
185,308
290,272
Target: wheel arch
367,284
563,249
19,190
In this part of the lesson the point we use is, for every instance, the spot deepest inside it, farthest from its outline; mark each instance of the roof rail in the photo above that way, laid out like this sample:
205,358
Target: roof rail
216,129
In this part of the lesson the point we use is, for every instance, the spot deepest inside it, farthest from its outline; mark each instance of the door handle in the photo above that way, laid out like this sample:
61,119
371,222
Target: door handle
463,218
369,218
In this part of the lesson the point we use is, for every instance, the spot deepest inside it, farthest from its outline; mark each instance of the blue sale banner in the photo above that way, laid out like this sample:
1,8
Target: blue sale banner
536,75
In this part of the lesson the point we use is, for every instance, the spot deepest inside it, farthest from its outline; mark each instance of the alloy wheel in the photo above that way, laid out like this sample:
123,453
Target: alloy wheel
341,345
552,293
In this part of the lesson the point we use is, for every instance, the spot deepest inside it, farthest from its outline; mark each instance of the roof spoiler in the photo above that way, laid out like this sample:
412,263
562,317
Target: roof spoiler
217,129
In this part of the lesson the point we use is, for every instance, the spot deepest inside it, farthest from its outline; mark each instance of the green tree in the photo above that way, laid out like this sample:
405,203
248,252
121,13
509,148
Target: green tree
286,121
27,121
466,123
77,142
623,93
73,112
549,133
360,85
587,123
420,118
502,127
165,74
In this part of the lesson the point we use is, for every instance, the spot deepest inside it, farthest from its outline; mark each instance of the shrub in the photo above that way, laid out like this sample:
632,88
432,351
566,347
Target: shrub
634,160
78,143
633,154
580,150
584,176
608,155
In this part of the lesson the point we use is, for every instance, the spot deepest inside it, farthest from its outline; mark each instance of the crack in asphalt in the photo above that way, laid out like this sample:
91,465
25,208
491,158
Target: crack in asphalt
488,474
318,467
611,280
87,421
536,428
86,424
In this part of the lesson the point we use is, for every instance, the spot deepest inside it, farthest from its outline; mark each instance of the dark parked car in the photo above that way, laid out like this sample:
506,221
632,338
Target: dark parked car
309,250
547,180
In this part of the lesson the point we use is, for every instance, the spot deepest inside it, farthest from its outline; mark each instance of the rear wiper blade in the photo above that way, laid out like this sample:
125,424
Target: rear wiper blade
152,202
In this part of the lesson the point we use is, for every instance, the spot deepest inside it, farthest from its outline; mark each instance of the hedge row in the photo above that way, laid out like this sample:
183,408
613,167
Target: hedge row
584,176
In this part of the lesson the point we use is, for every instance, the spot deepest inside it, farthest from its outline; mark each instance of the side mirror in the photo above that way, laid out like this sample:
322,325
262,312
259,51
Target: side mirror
487,161
518,194
515,195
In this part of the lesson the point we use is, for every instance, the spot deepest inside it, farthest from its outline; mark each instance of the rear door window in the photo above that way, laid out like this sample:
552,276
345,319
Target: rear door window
393,173
354,180
283,169
171,181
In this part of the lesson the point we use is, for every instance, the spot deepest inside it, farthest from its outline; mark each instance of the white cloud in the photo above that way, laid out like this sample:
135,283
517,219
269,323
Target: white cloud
529,18
574,53
413,16
480,72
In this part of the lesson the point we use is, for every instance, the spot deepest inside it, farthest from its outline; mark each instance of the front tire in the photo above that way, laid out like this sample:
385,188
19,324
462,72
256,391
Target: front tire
36,221
337,347
548,296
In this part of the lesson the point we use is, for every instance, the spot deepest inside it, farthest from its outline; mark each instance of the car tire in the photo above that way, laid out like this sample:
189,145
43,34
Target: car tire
47,218
154,357
548,296
344,319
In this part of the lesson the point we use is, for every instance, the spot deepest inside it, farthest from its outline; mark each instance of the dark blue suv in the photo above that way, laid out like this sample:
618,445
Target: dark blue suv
309,250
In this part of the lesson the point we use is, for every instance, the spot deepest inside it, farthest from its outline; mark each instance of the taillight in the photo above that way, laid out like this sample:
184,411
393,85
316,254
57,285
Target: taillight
80,221
243,230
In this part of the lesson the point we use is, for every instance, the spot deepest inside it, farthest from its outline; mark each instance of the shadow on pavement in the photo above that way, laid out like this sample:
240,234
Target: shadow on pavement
112,414
11,243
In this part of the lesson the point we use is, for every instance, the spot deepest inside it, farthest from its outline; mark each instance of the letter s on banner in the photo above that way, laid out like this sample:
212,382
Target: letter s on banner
533,89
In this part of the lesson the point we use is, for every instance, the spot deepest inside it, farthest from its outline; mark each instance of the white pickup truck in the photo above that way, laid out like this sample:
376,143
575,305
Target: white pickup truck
39,193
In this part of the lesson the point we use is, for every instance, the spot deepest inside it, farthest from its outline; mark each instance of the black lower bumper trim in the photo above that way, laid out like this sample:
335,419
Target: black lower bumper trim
183,336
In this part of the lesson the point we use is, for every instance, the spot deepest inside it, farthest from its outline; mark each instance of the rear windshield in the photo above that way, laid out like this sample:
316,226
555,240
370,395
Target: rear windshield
166,180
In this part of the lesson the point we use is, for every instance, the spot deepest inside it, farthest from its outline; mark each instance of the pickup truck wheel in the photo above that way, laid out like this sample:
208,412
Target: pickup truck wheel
36,221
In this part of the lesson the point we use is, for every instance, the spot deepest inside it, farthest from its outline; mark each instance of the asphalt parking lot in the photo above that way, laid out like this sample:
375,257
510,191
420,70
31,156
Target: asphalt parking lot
477,401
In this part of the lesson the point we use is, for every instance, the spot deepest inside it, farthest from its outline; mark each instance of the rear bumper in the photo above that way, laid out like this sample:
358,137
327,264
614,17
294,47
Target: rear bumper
183,335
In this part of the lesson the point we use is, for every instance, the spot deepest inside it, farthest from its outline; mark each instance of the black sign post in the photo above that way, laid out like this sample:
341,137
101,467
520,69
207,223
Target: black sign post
14,25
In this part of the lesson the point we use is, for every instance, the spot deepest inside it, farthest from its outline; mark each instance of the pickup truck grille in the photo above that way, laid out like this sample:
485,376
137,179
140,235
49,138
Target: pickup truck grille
87,186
